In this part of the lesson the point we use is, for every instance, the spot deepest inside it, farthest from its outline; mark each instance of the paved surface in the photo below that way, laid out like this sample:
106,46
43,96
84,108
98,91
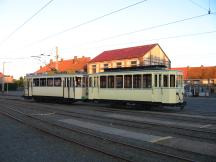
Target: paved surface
114,131
20,143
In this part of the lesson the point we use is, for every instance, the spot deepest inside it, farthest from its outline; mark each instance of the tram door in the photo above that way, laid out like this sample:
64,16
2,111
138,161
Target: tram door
157,91
28,87
66,87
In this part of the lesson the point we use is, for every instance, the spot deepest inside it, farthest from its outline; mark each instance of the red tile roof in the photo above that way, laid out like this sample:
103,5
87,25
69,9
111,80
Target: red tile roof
202,72
124,53
1,75
72,65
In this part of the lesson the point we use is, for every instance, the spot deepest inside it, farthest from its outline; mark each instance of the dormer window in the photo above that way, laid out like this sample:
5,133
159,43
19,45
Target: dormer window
133,63
118,64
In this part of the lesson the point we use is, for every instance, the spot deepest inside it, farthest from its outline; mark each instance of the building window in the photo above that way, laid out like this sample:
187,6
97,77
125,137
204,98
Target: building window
128,81
57,82
94,68
119,81
133,63
172,80
165,80
118,64
147,81
106,66
110,81
103,81
136,81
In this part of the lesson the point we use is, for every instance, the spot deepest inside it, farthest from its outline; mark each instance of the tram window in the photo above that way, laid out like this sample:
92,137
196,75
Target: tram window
128,81
78,81
160,80
172,80
84,82
110,81
67,82
57,82
155,80
50,82
90,81
35,82
147,81
165,80
179,81
136,81
43,82
119,81
102,81
72,82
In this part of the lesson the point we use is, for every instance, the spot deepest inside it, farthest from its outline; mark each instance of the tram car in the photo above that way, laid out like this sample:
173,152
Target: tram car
57,87
152,85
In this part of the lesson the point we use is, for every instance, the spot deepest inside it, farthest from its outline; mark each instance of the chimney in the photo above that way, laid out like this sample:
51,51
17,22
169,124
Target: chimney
40,67
62,59
75,57
51,60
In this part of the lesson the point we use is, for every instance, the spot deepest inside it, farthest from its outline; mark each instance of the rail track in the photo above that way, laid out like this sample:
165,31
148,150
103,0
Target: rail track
126,152
194,134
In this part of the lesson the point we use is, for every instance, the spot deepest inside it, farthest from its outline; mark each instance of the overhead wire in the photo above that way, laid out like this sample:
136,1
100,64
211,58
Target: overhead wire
25,22
88,22
161,38
152,27
195,3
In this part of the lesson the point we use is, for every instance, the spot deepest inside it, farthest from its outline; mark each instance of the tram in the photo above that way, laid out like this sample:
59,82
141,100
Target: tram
150,85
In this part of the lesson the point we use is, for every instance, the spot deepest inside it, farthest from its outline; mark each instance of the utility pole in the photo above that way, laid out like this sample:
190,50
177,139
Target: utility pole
57,56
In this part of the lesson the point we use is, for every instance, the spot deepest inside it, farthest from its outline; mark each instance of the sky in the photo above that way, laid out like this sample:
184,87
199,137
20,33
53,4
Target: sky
183,29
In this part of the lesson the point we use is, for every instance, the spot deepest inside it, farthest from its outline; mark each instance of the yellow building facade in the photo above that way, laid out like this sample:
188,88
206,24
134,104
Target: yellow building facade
129,57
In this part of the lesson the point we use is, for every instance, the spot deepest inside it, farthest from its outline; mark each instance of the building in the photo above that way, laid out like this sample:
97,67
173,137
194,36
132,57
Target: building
69,66
199,81
7,78
151,54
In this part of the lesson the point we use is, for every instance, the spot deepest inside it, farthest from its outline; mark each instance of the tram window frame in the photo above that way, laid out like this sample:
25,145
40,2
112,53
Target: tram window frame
57,82
155,80
165,80
111,81
127,81
172,80
42,82
103,81
147,80
95,81
119,81
36,82
137,81
50,82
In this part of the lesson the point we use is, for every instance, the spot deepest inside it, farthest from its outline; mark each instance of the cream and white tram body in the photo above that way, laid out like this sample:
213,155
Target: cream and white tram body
143,85
57,87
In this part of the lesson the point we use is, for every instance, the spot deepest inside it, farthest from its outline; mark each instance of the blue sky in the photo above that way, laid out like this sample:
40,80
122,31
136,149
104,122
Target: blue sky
86,40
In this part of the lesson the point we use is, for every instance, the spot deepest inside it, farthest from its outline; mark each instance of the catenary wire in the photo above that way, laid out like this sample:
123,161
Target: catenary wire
29,19
87,22
152,27
195,3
